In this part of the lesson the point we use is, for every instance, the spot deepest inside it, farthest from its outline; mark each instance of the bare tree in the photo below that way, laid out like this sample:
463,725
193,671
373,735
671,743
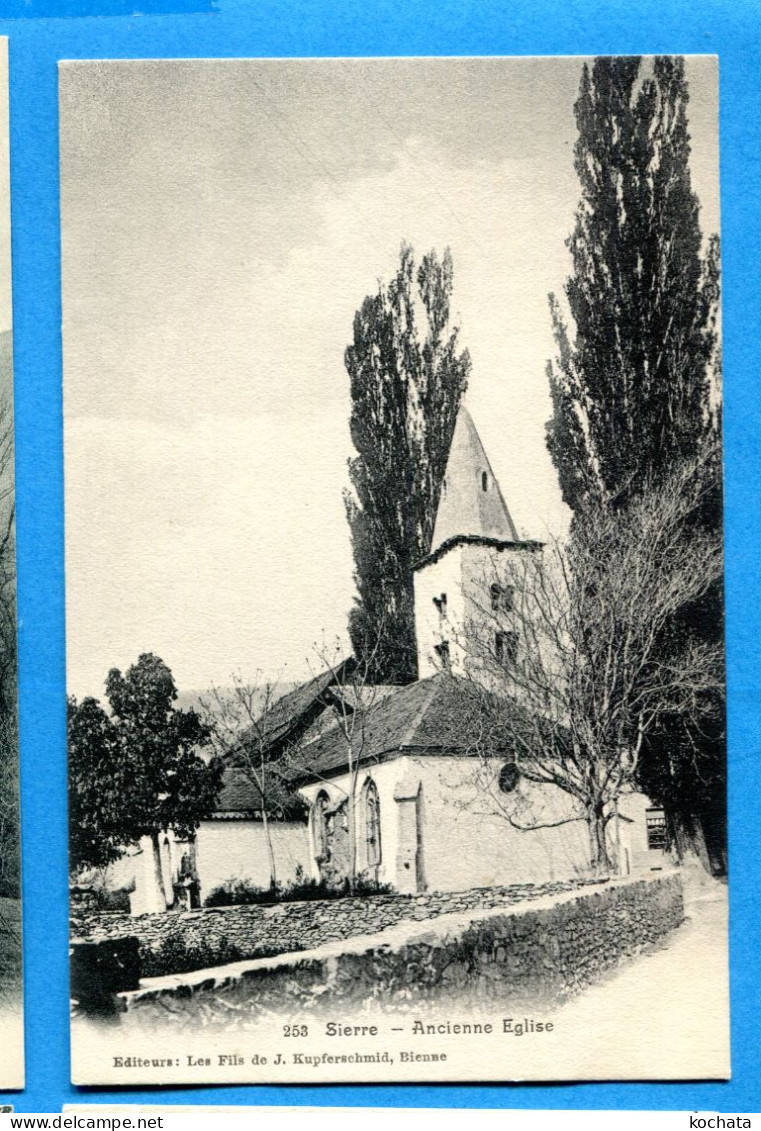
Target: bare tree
352,700
565,658
9,802
240,719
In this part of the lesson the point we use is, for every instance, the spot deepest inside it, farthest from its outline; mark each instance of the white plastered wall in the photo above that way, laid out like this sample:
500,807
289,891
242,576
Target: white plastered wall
465,842
465,574
431,627
237,850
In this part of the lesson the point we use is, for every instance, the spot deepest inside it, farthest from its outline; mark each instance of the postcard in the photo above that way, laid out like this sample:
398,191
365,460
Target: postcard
395,657
11,1000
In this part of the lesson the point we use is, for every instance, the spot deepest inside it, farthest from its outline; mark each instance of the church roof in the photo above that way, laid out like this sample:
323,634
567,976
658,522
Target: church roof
471,503
240,798
283,724
427,717
292,713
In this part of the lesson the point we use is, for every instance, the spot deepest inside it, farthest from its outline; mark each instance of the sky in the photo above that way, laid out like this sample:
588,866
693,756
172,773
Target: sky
222,220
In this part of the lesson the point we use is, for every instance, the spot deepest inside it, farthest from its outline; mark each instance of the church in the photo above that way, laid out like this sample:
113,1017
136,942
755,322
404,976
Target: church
429,814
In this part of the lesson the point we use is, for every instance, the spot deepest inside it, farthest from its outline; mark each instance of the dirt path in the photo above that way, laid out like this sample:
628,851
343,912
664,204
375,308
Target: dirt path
675,999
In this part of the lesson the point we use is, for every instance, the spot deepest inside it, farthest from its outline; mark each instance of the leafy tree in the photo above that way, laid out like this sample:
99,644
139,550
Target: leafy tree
98,831
136,770
635,382
406,386
633,391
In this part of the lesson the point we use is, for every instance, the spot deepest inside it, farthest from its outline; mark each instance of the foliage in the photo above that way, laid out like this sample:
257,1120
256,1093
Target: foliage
99,897
406,385
635,384
237,892
633,390
136,770
177,953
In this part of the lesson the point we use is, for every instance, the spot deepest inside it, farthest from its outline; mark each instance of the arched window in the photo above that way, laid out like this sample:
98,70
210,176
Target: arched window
484,481
320,826
372,824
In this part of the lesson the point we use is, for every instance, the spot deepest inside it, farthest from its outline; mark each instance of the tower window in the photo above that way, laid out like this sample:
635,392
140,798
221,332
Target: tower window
442,651
441,603
501,598
506,648
484,481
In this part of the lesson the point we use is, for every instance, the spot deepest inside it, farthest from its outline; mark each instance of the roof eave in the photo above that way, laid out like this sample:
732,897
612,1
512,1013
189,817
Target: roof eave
477,540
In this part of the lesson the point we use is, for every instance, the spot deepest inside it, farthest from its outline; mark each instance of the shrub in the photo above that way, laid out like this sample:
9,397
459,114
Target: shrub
99,898
178,954
239,892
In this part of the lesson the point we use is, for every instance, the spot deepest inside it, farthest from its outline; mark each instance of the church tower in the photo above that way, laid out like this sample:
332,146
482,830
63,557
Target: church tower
463,592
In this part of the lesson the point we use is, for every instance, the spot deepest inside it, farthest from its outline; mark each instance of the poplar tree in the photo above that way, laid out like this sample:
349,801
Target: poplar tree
407,377
634,385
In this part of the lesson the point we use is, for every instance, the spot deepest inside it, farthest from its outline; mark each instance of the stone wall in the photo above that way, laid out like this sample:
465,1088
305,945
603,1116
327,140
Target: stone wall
175,942
535,954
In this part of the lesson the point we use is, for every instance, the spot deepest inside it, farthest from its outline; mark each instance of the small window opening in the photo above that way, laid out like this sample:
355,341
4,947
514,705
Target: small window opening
506,647
484,481
442,651
441,603
501,598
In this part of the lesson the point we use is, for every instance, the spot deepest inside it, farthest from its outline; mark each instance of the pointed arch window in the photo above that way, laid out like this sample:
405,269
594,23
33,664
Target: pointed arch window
320,826
372,824
484,481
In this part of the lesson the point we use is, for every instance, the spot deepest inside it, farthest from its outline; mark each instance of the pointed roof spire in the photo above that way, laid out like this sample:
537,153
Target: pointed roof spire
471,502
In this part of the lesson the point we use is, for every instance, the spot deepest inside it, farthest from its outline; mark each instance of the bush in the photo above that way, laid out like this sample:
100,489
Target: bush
100,898
240,892
178,954
234,892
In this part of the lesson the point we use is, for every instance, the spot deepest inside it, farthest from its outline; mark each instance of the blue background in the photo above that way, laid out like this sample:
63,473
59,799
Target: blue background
42,32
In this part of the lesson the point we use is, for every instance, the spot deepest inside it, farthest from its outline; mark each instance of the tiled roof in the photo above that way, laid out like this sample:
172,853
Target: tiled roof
238,793
432,716
292,711
241,797
285,721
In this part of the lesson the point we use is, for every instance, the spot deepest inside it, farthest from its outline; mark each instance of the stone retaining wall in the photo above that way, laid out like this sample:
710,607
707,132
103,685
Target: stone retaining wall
535,954
177,942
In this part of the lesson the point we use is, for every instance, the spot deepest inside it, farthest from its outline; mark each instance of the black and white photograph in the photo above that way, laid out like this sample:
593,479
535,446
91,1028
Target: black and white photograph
394,569
11,999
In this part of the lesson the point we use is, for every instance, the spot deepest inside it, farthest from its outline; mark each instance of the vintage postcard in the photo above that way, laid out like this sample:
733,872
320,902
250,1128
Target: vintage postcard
394,570
11,1000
